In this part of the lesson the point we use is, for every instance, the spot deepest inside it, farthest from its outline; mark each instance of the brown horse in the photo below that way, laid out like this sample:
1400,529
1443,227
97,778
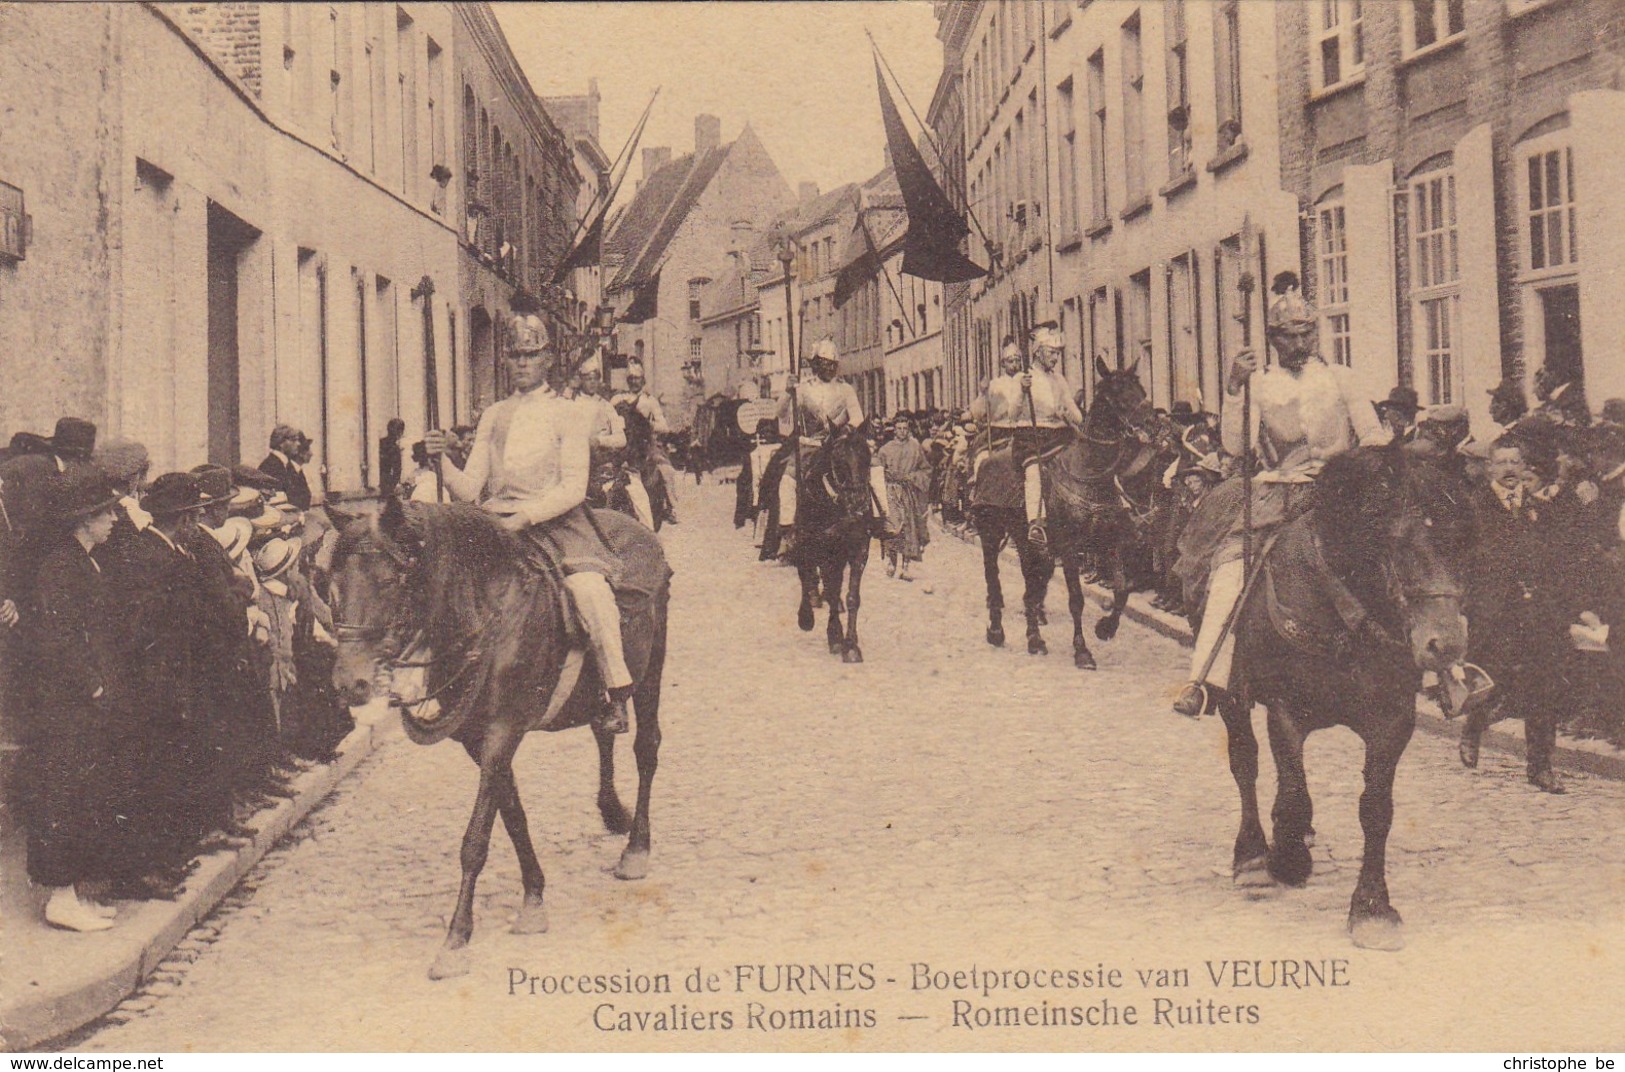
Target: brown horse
1352,602
447,583
1088,502
834,513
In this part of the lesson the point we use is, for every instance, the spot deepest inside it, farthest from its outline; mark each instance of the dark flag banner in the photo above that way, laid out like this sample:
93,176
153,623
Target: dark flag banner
586,252
935,229
859,271
645,301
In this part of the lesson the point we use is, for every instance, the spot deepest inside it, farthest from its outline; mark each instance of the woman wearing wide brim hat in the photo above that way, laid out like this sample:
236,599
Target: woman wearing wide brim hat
70,805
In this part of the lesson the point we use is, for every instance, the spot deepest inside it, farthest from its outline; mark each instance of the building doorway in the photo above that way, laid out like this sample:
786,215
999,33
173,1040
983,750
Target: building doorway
481,358
229,240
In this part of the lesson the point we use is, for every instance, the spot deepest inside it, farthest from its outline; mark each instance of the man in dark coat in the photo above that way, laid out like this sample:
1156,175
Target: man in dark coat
389,459
237,720
1527,584
286,464
68,744
154,595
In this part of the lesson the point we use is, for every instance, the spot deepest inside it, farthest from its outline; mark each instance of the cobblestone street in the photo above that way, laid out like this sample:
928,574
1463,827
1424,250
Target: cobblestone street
945,803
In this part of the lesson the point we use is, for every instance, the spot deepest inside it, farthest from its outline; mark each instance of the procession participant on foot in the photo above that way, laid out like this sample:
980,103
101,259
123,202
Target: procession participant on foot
529,467
908,478
825,406
1304,411
637,397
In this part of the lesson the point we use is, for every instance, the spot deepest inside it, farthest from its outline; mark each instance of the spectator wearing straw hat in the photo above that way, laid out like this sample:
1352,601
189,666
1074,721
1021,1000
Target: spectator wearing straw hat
69,744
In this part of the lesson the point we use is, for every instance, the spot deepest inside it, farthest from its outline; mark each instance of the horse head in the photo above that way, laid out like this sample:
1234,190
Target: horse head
374,613
846,476
1398,530
1121,407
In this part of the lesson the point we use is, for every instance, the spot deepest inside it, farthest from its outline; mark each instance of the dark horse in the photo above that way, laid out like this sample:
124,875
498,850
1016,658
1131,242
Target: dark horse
1354,599
833,517
1088,500
1000,520
447,581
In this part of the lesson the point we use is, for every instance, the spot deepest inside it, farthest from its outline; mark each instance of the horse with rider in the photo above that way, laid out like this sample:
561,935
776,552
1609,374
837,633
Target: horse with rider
500,597
840,496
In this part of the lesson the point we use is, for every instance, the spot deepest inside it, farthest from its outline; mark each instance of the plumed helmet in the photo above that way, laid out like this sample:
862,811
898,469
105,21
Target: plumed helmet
1010,351
1289,313
527,334
826,351
634,367
1047,336
590,364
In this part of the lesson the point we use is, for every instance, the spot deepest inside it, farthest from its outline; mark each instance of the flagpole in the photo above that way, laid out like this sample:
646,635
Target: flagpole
932,141
599,206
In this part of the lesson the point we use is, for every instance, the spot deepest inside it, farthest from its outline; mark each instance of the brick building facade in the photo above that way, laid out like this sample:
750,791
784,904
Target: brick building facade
1454,162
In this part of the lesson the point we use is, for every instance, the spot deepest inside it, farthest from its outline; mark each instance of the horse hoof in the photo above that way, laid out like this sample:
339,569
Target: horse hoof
1083,660
996,637
1106,628
634,865
804,618
1468,750
532,919
1036,646
1291,865
854,654
1384,933
1252,874
450,963
837,647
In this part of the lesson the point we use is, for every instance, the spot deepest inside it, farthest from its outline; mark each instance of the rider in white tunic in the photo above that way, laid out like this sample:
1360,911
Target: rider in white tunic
1304,411
825,405
529,467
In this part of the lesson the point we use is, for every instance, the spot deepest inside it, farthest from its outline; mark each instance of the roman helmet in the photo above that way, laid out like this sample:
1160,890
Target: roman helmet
527,334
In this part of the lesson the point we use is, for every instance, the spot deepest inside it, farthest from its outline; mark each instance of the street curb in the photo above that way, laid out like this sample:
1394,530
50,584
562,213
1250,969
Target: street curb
1570,754
42,1017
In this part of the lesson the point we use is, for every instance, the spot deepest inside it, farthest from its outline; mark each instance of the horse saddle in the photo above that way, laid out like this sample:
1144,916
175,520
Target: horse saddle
1309,606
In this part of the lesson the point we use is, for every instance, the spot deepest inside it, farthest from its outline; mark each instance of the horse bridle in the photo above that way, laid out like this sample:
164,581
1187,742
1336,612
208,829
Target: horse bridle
389,659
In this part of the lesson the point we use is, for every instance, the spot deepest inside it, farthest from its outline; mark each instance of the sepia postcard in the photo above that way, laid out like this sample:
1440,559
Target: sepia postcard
976,525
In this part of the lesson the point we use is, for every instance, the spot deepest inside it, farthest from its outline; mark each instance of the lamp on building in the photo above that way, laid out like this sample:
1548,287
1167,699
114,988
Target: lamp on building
785,248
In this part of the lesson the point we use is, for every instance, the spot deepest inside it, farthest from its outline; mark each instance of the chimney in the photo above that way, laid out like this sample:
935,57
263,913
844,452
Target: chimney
654,160
807,193
707,134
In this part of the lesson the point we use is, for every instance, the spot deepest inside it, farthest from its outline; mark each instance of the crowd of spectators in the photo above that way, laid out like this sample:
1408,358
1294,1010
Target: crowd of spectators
165,659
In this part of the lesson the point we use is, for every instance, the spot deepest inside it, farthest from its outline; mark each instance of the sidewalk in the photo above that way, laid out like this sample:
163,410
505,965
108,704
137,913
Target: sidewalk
1591,757
53,981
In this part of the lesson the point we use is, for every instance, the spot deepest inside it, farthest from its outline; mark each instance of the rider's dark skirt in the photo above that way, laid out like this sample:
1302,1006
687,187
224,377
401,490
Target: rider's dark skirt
574,543
1034,444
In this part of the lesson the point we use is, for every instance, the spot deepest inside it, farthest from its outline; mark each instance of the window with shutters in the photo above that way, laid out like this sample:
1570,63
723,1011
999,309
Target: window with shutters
1227,72
1337,42
1552,240
1099,203
1066,117
1133,113
1331,241
1435,284
1179,91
